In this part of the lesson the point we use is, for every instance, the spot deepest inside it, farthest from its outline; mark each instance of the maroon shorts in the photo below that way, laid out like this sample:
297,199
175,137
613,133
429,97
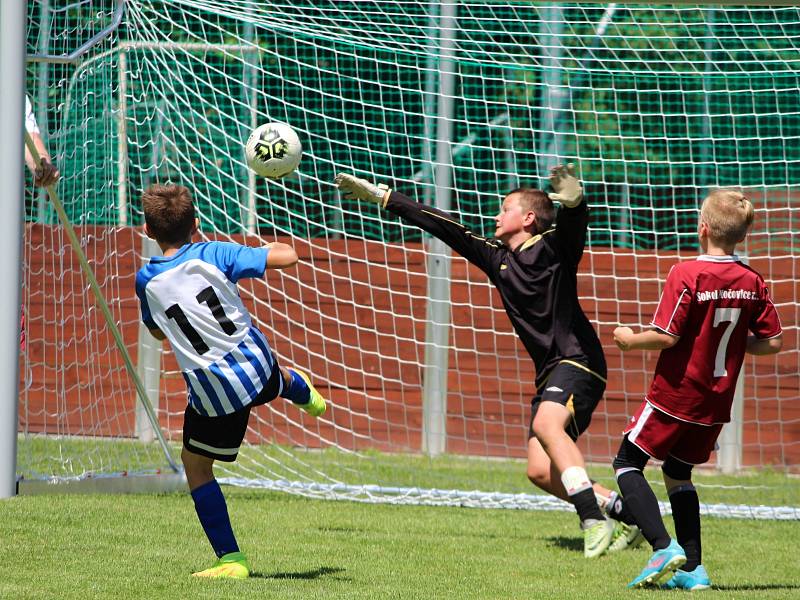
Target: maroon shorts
661,435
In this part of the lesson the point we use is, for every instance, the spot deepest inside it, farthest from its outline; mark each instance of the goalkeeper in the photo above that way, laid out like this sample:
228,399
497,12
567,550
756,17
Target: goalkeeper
534,266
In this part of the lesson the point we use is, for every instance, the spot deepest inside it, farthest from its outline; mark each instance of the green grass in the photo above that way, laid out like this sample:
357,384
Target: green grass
134,547
146,546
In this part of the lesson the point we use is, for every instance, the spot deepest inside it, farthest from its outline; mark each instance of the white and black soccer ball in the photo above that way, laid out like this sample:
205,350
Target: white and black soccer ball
273,150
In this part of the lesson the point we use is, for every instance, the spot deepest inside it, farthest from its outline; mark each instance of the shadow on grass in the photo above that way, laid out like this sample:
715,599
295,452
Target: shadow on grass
313,574
766,587
566,543
466,534
756,587
342,529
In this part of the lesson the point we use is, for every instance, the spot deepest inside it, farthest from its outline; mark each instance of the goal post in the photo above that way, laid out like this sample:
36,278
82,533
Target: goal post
454,104
12,26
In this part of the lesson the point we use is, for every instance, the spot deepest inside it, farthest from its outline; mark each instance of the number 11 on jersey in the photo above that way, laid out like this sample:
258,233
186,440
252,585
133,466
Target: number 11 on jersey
209,297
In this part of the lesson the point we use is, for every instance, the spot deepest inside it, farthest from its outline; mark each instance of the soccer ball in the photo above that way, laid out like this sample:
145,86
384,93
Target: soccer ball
273,150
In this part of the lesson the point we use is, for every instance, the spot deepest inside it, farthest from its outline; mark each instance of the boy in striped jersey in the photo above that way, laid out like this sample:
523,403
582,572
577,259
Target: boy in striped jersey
189,296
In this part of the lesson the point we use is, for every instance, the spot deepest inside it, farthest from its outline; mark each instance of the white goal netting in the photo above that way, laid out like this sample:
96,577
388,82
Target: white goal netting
454,102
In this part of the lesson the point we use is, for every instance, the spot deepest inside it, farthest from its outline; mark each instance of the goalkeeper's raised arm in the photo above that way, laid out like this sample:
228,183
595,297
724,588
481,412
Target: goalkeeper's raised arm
573,218
475,248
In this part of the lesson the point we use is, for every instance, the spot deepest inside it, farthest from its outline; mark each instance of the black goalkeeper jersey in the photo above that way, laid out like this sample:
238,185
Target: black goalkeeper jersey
537,281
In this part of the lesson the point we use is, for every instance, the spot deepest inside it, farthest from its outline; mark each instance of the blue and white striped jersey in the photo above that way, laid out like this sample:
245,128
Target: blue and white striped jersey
192,298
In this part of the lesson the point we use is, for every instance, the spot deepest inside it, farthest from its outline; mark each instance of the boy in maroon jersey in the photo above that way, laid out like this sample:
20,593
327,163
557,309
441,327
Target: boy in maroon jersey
713,310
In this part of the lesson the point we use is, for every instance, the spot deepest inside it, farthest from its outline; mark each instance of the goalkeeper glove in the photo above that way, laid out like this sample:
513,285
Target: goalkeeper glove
566,187
361,189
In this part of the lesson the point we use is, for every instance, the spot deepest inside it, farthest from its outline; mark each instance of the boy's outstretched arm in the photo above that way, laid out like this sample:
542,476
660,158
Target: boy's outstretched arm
651,339
567,188
477,249
355,188
572,219
280,255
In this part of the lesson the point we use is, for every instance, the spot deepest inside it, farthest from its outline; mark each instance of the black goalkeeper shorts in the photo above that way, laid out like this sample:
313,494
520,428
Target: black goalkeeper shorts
574,386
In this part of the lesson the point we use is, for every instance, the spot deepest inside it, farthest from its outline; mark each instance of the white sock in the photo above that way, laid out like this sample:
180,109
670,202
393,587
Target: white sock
575,480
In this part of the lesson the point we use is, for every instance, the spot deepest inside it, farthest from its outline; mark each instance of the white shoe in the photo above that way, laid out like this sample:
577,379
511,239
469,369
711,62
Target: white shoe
597,537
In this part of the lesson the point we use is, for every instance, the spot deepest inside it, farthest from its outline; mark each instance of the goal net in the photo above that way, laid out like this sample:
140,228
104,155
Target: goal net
454,104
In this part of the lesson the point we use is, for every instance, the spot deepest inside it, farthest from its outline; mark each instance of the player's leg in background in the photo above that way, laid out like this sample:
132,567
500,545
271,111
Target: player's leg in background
298,389
639,497
642,502
686,514
543,473
556,465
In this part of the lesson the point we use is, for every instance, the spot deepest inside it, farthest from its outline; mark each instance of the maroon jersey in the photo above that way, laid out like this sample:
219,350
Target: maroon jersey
711,304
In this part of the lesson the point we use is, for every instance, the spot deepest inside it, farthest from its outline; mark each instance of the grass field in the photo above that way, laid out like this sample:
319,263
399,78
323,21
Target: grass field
146,546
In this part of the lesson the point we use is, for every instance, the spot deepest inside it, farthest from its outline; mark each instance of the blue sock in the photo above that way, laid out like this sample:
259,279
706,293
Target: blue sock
297,391
213,514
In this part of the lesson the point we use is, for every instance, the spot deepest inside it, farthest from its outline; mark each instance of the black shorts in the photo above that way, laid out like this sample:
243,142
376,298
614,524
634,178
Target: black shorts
220,437
574,386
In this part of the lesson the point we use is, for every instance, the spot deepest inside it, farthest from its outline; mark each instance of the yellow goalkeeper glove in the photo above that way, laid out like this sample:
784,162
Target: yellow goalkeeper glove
566,187
361,189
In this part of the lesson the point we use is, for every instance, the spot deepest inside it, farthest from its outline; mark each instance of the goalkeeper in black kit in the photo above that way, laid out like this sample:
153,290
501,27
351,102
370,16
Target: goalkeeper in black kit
533,262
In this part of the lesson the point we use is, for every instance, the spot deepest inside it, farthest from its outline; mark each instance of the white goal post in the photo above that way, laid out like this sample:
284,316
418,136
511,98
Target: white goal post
12,26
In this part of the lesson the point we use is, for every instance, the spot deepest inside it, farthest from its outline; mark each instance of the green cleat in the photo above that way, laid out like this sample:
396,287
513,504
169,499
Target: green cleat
625,536
316,405
230,566
597,537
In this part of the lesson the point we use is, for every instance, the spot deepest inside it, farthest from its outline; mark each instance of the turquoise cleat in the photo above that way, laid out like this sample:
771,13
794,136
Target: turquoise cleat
662,563
692,581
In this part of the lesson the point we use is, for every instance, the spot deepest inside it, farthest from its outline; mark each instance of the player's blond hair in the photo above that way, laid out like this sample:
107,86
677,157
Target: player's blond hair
168,212
728,214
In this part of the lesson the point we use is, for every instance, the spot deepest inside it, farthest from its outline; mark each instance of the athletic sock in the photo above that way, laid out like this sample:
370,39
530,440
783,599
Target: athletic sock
213,514
616,509
581,494
586,505
297,389
643,505
686,515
